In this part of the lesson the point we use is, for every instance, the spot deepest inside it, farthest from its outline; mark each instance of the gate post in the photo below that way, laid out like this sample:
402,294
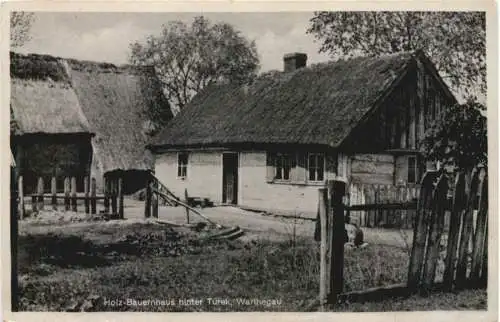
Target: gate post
325,254
337,227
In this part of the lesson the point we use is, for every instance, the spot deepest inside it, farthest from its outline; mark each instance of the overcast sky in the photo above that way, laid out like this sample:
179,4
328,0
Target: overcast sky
106,36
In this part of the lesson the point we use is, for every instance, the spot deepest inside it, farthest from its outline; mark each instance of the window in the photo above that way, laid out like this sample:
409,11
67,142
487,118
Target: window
412,169
283,166
182,162
316,166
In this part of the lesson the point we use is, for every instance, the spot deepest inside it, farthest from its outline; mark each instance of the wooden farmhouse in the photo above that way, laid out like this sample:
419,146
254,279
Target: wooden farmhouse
80,118
271,144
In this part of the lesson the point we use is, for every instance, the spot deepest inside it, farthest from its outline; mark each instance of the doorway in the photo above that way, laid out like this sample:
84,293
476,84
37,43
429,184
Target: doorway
230,178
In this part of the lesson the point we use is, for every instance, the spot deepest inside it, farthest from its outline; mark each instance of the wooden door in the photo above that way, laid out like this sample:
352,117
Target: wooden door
230,178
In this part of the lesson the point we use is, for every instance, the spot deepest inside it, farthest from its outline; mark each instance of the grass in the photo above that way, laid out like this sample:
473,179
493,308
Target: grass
98,266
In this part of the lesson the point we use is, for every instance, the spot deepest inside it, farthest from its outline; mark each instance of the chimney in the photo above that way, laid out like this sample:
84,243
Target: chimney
294,61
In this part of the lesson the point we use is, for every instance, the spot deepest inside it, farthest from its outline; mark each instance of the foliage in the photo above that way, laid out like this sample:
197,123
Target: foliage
188,58
455,41
62,269
20,25
458,137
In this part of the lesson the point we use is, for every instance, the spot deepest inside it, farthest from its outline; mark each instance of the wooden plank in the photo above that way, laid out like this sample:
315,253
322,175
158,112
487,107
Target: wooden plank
324,283
435,231
420,231
484,266
147,200
53,190
73,195
20,193
466,232
479,237
106,194
67,203
40,190
86,192
114,190
186,199
337,193
121,200
454,229
93,199
383,206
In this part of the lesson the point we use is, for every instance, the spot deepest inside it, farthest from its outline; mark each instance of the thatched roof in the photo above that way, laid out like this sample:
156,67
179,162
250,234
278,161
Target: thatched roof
114,102
42,99
319,104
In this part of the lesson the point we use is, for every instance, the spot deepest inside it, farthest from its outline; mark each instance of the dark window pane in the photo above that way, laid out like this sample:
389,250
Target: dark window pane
412,169
320,174
312,161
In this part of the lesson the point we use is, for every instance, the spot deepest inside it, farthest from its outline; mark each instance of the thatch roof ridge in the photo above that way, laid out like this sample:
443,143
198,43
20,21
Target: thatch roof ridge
318,104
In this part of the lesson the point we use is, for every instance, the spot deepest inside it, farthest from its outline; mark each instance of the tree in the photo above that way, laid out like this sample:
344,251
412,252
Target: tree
455,41
20,25
188,58
458,137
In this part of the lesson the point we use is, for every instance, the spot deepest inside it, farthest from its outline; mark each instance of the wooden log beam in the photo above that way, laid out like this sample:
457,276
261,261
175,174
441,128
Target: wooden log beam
467,229
86,189
435,231
53,190
20,192
73,195
325,250
93,198
479,236
454,230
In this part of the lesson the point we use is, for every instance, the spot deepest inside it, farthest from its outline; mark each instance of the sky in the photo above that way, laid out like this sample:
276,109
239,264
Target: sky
106,36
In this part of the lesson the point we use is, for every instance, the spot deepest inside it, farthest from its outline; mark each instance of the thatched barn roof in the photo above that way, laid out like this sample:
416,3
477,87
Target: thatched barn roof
114,102
320,104
42,99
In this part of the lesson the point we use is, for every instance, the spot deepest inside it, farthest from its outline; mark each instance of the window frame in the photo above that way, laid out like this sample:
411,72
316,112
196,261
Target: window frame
413,170
317,167
182,166
283,156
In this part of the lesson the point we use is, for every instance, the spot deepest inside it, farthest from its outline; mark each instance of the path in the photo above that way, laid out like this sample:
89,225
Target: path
263,226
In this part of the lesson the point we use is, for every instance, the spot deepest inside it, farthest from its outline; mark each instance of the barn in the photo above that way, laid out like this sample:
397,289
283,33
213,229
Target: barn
80,118
271,143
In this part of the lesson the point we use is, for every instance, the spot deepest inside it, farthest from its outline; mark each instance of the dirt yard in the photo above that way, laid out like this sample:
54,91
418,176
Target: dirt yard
269,227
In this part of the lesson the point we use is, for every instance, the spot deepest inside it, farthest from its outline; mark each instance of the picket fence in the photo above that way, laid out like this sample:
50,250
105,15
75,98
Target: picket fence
113,198
465,243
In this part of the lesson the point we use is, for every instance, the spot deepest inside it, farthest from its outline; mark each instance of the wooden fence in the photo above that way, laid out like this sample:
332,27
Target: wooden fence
466,243
112,197
391,206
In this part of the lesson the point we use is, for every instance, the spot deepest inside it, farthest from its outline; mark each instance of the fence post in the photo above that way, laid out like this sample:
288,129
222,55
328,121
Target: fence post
325,250
73,195
147,199
436,226
40,192
106,194
114,204
120,198
155,200
420,232
468,221
66,194
86,194
337,229
483,280
186,200
479,236
93,200
453,233
20,193
53,191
